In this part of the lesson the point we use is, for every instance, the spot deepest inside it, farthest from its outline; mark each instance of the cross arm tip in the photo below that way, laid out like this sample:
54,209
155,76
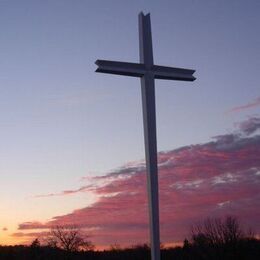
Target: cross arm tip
141,14
192,77
99,65
97,62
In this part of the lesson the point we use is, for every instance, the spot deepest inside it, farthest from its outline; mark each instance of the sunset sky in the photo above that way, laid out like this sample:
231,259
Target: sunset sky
72,149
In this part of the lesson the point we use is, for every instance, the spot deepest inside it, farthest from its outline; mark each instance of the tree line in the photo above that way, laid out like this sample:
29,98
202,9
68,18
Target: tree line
213,239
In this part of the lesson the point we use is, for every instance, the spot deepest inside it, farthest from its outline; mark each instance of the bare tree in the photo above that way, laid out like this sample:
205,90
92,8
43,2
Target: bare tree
217,231
69,238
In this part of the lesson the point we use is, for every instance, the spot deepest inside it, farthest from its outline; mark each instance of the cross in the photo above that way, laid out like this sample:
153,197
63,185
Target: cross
147,72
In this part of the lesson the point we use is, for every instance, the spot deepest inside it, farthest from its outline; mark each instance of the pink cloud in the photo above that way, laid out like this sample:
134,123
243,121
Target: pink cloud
254,103
33,225
197,181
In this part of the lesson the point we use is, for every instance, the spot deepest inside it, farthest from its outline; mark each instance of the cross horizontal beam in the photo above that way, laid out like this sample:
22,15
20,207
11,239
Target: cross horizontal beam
162,72
139,70
120,68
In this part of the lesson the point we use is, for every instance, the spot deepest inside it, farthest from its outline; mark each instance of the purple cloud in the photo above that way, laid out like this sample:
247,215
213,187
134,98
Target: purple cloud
250,126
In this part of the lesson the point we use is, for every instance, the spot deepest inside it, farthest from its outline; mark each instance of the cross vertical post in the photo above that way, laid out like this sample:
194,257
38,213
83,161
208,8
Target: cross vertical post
149,122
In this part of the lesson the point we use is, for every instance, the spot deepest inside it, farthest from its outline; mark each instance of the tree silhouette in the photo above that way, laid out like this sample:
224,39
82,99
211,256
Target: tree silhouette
222,238
68,238
35,243
217,231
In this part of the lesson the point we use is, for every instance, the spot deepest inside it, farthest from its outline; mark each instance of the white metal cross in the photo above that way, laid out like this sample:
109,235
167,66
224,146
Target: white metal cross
147,71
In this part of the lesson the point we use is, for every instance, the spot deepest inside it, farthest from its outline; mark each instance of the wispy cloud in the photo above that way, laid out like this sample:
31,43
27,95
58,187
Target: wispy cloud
65,192
252,104
31,234
211,179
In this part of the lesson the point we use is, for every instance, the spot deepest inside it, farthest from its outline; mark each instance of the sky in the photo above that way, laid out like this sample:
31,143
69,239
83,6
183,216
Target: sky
72,146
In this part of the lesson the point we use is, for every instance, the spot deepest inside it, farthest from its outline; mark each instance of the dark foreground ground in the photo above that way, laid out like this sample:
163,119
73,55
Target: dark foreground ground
245,250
